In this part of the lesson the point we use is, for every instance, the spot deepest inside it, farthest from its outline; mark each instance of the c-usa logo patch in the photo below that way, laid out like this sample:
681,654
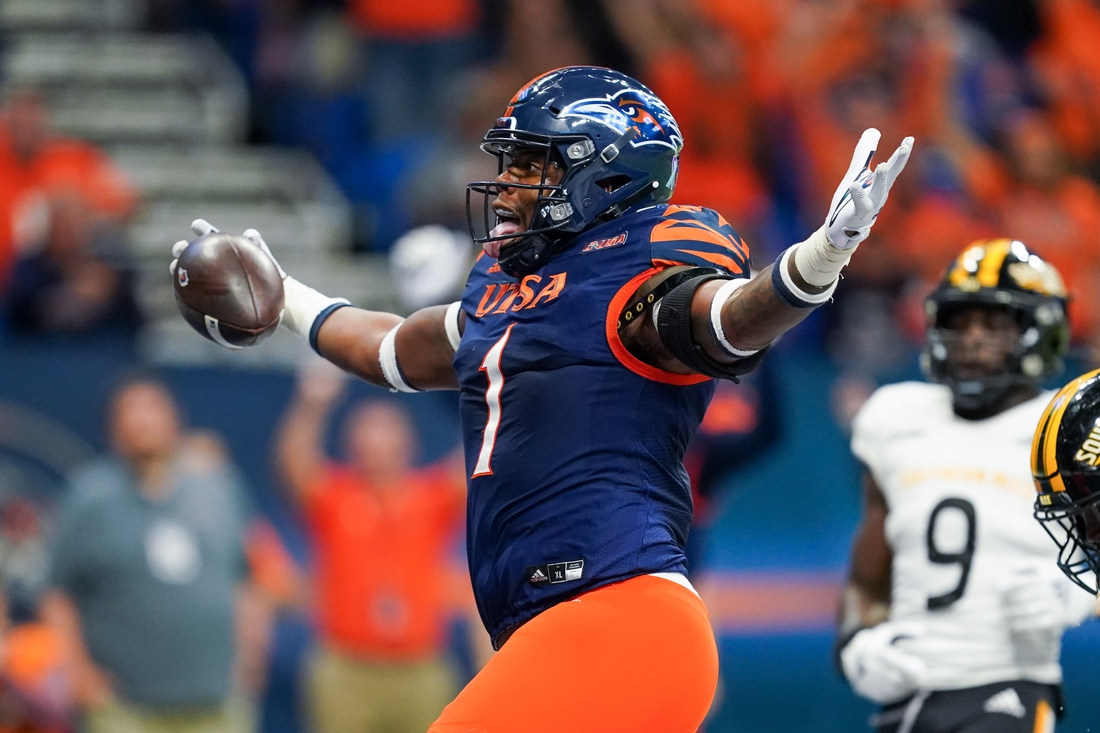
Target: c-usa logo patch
616,241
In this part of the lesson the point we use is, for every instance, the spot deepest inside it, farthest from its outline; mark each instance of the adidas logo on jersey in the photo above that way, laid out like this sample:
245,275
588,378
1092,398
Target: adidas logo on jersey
555,572
1007,702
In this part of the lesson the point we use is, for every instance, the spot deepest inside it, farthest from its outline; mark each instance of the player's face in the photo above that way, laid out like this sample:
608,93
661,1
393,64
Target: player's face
980,340
515,207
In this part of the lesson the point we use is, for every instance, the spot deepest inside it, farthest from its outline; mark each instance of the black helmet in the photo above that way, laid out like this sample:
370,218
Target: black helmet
616,140
1065,462
999,272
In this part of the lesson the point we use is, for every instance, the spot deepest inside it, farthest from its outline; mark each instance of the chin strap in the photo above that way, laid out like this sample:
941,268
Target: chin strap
616,210
977,400
531,253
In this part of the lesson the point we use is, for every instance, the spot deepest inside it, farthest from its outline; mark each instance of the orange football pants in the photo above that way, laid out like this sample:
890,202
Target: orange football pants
635,656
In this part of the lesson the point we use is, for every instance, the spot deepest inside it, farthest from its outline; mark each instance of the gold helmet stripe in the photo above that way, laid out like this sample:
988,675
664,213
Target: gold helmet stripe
959,272
1046,438
989,271
1050,459
1037,444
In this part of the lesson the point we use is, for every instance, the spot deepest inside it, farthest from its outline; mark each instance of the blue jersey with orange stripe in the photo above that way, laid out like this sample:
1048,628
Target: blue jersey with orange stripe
574,446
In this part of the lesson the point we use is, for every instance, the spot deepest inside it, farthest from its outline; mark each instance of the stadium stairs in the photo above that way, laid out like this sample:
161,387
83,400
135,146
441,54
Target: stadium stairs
172,109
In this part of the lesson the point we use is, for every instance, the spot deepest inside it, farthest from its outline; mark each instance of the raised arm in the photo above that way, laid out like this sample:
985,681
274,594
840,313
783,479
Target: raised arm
352,339
300,440
720,327
408,355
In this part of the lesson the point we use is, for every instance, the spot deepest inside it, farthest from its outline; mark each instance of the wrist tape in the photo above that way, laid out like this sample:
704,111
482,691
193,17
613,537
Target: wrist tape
818,261
305,309
790,293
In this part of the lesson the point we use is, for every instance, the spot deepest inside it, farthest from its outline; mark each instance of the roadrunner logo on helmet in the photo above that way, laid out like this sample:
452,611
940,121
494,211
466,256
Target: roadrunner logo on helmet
616,142
1064,466
999,273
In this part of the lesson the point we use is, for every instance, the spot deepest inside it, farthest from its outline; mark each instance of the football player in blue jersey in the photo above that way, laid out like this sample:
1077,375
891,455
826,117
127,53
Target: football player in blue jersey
585,349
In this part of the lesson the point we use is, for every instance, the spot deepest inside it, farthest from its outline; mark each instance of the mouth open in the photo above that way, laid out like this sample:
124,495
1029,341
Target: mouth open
508,224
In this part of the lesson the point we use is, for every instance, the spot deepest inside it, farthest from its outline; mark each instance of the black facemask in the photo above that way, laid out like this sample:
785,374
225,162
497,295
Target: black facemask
975,399
531,252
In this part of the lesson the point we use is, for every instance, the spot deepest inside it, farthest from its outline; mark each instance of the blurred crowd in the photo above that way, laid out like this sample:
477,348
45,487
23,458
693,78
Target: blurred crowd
64,265
1003,97
144,597
393,99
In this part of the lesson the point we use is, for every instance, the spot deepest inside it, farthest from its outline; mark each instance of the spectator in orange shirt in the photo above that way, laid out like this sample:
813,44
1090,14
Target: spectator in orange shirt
890,64
77,281
35,688
36,165
381,531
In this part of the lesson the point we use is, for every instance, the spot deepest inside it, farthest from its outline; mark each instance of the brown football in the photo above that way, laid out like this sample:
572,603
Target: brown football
229,290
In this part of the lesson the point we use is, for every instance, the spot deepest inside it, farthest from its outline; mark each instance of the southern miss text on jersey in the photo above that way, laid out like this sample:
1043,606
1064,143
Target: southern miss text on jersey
960,496
574,447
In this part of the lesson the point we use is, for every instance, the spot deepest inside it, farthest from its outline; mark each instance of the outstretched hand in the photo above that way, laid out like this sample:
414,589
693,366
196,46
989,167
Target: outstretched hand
201,227
862,193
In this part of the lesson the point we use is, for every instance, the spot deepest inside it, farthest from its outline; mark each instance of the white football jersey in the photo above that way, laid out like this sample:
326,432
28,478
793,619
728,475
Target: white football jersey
960,497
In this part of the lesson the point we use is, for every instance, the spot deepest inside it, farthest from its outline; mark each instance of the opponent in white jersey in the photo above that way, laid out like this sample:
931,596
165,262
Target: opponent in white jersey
955,607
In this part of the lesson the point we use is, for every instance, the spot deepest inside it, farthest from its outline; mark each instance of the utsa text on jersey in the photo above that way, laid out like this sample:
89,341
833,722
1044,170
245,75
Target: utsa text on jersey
503,296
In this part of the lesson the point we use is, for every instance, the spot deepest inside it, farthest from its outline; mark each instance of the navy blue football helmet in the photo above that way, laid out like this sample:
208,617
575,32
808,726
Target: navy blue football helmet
615,140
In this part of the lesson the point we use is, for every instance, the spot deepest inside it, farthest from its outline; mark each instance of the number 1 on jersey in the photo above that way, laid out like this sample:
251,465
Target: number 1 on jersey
491,366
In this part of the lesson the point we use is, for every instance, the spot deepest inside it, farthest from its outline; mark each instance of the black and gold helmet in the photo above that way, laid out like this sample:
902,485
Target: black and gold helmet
1001,273
1065,462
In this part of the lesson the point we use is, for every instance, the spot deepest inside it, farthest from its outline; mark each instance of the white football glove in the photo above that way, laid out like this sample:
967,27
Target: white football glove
301,303
856,204
201,227
861,195
877,668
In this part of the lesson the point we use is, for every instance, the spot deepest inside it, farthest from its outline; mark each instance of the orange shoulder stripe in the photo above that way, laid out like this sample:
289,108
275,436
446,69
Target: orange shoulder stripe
627,359
727,262
678,231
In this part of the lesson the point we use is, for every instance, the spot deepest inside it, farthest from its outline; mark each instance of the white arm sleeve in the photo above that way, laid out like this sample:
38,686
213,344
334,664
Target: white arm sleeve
387,358
450,322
